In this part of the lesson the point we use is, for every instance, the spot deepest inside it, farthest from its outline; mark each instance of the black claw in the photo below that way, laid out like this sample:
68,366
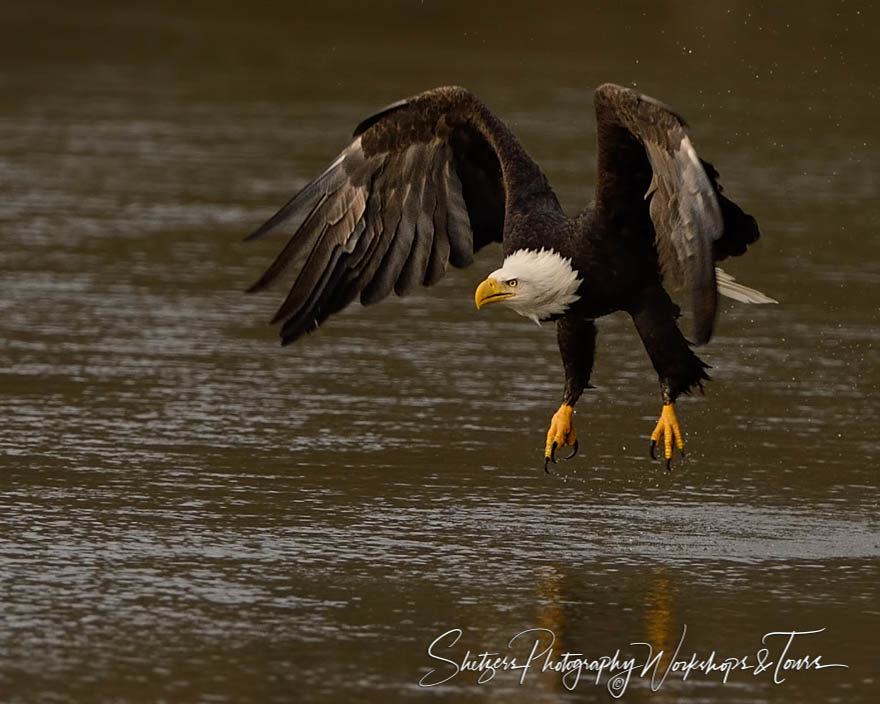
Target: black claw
553,453
574,450
653,445
546,468
669,465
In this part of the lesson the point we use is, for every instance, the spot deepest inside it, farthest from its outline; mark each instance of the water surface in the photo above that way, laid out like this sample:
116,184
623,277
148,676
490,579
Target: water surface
189,512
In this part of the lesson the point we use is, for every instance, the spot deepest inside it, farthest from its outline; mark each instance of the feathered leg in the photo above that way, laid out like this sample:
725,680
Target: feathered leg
577,344
678,367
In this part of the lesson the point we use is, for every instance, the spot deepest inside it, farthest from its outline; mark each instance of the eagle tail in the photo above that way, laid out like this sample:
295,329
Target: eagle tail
727,286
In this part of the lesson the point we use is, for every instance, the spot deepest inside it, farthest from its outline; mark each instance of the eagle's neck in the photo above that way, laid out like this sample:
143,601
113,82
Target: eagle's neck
548,283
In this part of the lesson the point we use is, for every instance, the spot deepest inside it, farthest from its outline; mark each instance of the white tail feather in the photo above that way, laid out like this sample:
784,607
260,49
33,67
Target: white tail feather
727,286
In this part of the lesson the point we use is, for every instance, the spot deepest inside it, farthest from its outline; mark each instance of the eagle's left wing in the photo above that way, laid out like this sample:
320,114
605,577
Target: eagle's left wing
650,176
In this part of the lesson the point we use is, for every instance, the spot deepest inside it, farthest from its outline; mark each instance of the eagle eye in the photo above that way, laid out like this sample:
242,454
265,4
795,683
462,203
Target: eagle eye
512,282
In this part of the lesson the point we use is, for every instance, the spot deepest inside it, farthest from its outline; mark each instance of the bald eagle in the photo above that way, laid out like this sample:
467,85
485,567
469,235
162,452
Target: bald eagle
430,180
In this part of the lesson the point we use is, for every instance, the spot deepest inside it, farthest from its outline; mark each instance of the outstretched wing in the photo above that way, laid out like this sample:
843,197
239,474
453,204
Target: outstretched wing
651,178
425,183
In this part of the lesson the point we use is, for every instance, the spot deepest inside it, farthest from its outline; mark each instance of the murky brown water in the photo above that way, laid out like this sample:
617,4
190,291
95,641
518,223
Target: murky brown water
190,513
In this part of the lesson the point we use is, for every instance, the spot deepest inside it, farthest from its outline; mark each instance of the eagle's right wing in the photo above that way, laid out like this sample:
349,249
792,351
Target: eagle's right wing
426,182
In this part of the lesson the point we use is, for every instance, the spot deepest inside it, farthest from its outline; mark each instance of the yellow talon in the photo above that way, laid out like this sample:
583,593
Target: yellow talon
561,433
669,429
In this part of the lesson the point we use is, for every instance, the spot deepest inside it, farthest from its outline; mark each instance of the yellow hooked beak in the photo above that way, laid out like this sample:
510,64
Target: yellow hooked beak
492,290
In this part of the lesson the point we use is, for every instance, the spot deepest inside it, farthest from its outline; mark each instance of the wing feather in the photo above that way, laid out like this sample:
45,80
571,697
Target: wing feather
413,274
439,257
425,183
399,249
461,236
328,182
294,250
645,153
339,231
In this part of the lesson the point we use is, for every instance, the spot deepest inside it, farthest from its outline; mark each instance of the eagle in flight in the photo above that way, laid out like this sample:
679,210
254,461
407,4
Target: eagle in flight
430,180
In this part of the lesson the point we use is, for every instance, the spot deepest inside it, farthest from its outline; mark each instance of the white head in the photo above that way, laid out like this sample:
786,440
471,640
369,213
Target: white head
536,285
